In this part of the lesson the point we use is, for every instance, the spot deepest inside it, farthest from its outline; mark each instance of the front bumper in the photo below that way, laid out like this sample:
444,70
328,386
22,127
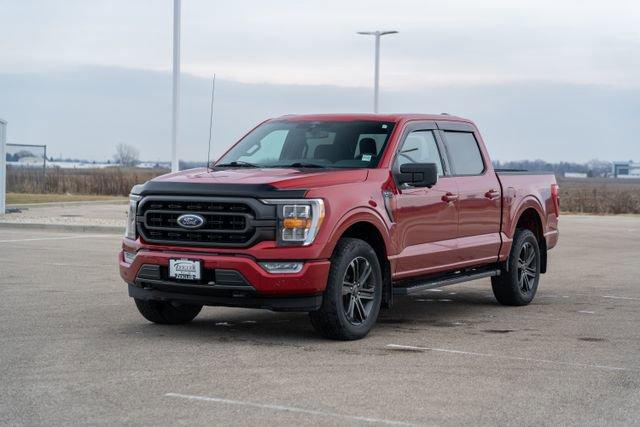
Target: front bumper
228,280
296,303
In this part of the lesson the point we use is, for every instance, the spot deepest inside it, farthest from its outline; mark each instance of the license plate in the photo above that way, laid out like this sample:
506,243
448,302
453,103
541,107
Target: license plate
184,269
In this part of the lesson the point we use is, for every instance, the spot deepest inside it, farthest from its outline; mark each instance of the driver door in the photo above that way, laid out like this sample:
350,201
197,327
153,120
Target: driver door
426,218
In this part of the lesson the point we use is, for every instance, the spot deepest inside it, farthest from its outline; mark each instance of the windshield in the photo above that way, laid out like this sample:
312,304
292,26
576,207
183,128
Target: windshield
313,144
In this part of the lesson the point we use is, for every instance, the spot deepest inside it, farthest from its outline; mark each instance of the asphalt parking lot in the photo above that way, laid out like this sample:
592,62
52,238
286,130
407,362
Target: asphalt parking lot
74,350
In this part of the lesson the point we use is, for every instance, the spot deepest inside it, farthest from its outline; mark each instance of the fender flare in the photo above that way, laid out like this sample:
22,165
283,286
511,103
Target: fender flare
369,216
528,202
355,215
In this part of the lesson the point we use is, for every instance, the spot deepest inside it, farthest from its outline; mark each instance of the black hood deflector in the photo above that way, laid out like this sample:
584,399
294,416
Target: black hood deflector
258,191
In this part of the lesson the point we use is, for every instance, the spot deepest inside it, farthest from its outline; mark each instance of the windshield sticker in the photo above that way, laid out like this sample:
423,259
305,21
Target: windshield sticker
366,157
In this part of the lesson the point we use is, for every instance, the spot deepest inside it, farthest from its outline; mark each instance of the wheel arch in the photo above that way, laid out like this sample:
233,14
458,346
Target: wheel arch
530,218
369,227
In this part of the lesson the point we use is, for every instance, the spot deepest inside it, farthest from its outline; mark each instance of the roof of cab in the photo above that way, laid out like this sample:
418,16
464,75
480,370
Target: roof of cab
391,117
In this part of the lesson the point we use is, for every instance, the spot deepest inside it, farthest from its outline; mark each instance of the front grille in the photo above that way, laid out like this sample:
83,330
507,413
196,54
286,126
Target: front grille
227,222
213,222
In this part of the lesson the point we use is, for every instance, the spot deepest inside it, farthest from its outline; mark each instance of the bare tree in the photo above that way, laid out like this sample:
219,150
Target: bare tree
126,155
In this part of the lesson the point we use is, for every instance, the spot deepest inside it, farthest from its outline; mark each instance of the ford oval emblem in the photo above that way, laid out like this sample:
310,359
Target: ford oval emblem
190,221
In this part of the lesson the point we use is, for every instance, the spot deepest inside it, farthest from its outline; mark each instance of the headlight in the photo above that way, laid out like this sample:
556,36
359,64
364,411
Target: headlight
130,230
298,220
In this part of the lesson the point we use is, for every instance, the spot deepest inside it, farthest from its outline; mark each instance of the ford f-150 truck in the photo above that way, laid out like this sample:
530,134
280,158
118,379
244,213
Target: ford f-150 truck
335,215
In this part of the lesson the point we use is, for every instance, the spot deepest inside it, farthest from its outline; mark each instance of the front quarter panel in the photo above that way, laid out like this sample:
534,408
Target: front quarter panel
346,205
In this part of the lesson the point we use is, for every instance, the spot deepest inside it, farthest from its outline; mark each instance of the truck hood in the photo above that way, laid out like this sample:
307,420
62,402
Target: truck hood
281,178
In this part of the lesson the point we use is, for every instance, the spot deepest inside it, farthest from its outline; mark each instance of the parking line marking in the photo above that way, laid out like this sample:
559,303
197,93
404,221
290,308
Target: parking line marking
287,409
498,356
617,297
66,264
93,236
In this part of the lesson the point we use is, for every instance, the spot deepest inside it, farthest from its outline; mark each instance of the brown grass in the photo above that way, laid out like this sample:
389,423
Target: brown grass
29,198
104,182
600,196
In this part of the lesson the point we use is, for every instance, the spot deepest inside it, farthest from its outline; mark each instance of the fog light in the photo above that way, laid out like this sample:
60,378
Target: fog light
129,257
282,267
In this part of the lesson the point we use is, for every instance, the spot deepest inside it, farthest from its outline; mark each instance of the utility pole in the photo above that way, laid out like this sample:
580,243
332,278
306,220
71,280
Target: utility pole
175,112
3,166
376,70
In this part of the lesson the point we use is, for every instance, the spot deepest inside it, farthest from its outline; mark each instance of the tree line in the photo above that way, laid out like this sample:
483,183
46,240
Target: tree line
593,168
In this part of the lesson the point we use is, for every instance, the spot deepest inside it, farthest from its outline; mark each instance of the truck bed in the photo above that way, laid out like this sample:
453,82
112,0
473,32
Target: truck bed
528,190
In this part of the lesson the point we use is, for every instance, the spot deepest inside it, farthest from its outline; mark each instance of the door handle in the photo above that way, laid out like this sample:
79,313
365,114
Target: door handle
449,197
492,194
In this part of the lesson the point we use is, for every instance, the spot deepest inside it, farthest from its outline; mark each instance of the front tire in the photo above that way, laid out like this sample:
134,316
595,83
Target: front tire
517,284
167,313
351,301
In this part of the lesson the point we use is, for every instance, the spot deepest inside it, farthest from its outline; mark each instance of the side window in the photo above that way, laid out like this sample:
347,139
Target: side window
464,153
420,147
268,149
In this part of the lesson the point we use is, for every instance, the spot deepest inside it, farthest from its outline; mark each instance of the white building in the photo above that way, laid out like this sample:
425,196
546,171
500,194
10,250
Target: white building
626,170
575,175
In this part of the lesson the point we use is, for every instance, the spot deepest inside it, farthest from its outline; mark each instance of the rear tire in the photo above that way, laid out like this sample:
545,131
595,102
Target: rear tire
167,313
351,301
519,284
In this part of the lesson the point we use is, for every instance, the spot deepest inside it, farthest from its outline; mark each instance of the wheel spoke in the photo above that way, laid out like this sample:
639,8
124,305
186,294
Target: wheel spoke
527,283
366,272
367,294
530,255
357,309
361,310
351,307
346,287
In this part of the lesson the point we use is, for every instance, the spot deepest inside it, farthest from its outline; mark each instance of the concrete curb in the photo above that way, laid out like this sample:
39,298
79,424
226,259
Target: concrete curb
68,204
69,228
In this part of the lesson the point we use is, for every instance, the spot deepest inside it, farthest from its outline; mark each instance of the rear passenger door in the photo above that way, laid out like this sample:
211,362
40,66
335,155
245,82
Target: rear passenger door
479,206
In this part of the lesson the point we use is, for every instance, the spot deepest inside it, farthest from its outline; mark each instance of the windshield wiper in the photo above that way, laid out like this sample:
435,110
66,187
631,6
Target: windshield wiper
304,165
237,164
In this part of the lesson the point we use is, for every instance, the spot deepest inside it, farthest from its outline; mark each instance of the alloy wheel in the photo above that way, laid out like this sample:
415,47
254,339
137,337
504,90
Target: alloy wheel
358,290
527,267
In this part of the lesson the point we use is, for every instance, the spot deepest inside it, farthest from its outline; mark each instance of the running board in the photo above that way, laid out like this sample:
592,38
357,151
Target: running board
439,282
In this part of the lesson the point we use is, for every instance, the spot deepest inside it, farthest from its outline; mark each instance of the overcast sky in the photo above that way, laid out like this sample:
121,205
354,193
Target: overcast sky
586,49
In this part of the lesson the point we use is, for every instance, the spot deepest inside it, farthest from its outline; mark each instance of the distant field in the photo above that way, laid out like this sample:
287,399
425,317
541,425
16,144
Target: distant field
101,182
27,198
600,196
589,195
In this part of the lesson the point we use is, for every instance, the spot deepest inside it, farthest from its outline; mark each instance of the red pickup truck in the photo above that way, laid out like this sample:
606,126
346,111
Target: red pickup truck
335,215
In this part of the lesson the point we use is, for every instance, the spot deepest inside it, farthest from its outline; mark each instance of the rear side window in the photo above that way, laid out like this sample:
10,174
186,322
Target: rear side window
464,153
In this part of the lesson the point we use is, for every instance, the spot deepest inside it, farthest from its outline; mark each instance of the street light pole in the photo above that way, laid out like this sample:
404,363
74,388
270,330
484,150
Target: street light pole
376,71
175,112
3,166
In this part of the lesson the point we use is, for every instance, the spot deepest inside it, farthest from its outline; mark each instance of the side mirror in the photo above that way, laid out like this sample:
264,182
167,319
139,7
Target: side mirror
418,174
